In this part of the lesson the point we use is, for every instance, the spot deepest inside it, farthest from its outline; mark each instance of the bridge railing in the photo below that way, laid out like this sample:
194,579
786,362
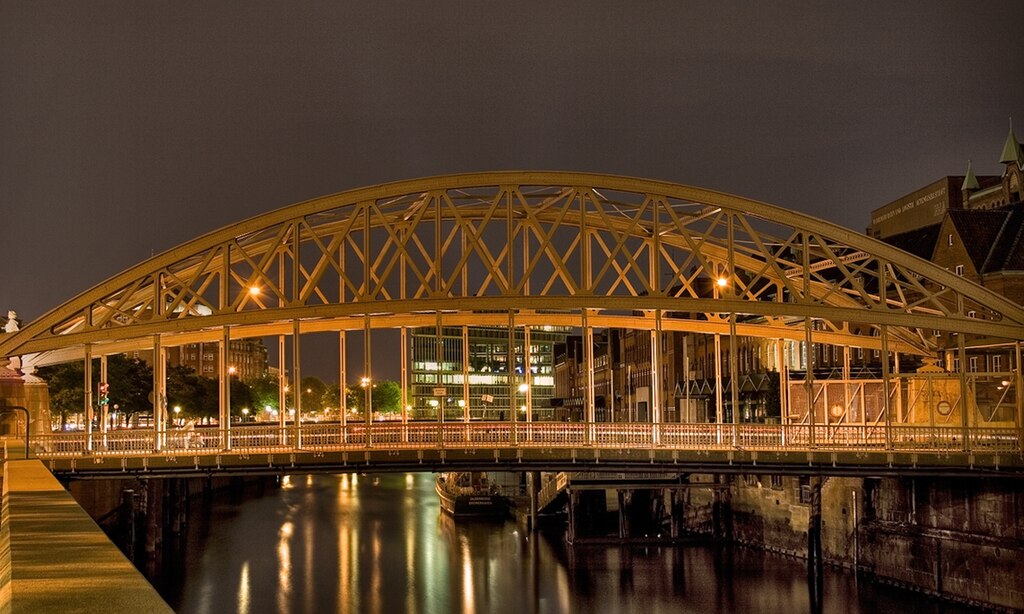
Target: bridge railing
424,435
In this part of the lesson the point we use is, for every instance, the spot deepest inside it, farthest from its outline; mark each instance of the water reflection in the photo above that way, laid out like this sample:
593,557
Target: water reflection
379,544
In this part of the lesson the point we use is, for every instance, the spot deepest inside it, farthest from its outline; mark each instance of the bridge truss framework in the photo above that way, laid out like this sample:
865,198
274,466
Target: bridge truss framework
521,250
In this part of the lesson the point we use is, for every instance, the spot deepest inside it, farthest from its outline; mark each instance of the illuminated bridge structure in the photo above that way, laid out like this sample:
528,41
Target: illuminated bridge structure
523,250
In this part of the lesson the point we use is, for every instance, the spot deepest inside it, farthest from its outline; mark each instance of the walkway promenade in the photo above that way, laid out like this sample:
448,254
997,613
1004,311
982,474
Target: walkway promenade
54,557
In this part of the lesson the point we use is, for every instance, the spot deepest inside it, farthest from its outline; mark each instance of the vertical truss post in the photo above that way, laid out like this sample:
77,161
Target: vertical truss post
588,368
886,379
1020,398
656,383
719,403
964,404
343,383
104,402
734,379
159,394
510,370
88,409
528,375
297,381
465,374
368,365
343,353
809,380
783,368
282,392
224,379
440,383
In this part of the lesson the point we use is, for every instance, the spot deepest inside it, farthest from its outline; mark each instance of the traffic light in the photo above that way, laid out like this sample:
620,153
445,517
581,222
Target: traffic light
104,393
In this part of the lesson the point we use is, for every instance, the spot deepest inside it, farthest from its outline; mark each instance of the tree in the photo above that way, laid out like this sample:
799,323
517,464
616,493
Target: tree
67,389
387,397
313,391
264,392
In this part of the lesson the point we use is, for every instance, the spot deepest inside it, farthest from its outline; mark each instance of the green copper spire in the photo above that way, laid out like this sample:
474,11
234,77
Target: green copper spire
1011,149
970,181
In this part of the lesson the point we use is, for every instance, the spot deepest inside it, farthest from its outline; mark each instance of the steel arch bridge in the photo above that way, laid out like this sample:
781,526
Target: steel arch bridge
523,250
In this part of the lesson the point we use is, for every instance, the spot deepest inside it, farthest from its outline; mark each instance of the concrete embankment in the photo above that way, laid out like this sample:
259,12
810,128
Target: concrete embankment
54,558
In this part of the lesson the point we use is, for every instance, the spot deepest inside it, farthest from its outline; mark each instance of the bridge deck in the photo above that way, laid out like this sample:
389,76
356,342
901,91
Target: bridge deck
861,449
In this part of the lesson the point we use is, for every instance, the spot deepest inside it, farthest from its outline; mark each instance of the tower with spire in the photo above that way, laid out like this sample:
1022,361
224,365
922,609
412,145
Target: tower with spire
1013,174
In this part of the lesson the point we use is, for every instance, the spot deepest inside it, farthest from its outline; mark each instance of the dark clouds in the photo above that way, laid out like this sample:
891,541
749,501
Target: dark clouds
127,128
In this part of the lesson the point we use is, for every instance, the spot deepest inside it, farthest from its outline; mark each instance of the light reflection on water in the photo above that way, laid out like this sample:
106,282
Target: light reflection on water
379,544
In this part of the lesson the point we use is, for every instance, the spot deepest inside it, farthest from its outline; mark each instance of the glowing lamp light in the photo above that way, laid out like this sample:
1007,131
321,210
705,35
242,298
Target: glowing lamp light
232,370
722,282
254,290
524,387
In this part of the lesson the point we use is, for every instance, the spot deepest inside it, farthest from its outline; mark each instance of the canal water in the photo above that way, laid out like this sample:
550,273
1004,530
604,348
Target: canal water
378,544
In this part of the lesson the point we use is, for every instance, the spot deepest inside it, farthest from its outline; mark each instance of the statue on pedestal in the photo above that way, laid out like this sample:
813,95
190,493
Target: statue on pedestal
12,322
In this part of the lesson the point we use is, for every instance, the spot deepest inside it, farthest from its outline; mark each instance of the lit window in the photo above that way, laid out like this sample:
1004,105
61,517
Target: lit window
960,270
949,240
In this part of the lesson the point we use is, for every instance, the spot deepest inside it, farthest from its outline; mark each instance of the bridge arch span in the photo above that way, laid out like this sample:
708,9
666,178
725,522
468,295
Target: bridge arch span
549,247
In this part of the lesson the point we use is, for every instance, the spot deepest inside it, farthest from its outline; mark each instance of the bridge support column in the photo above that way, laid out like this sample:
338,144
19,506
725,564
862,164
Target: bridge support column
533,485
721,508
574,502
814,554
154,515
625,503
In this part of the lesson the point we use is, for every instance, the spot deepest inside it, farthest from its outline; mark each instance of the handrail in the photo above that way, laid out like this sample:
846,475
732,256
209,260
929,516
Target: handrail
269,438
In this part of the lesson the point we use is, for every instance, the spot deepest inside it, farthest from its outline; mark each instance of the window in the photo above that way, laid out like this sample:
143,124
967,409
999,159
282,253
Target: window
960,270
997,363
972,314
949,240
974,364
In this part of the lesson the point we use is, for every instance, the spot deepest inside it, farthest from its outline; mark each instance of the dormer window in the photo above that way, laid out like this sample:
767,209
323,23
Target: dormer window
949,240
960,270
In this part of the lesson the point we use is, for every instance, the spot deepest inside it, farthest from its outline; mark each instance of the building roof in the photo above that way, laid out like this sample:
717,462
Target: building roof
978,230
1007,253
920,241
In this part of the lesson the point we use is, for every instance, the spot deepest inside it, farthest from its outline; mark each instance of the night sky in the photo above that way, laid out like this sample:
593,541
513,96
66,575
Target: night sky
127,128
